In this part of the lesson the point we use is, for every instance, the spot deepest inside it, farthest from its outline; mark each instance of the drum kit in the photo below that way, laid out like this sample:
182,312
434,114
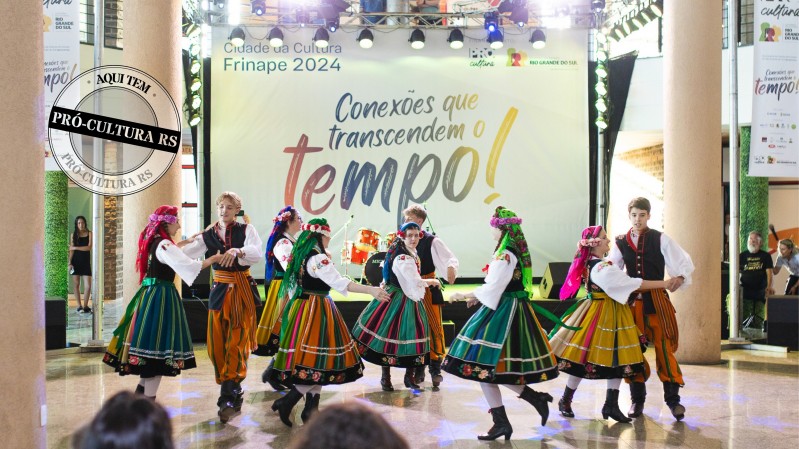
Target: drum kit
368,249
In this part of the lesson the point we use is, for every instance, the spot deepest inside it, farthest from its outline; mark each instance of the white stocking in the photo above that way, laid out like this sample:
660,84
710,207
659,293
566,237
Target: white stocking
573,381
492,394
515,388
613,384
151,386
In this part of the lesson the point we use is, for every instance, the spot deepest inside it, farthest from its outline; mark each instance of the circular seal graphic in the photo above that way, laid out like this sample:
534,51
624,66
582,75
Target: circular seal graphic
121,136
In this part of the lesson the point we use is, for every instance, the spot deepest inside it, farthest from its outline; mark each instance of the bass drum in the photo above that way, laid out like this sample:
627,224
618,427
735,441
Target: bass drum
373,269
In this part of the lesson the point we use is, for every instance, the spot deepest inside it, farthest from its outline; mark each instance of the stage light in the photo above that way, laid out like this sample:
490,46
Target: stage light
191,30
195,84
601,106
258,7
519,13
275,37
638,22
194,66
196,102
601,123
496,40
601,71
538,39
491,21
417,39
220,4
597,5
194,48
626,27
365,38
321,38
619,33
194,118
601,56
332,24
601,37
237,37
613,38
455,39
646,16
657,8
601,89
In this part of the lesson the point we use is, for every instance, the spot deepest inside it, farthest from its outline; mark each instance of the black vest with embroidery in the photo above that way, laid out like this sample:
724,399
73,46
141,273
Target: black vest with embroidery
589,284
425,252
156,269
392,279
234,238
516,283
310,284
647,261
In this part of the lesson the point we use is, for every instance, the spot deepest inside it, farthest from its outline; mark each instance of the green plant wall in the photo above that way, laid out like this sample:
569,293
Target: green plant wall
56,235
753,197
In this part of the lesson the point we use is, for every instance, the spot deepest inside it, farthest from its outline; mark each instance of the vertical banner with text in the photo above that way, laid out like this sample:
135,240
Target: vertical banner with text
355,135
775,104
61,53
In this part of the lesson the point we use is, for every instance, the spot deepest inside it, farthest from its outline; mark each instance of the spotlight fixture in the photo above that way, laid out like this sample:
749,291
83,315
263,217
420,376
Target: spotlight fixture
597,5
626,27
601,55
194,119
657,8
258,7
275,37
620,34
191,30
601,71
496,40
455,39
600,88
237,37
365,38
194,67
638,22
220,4
601,106
321,38
417,39
196,102
195,84
194,48
538,39
646,16
601,123
519,13
332,24
601,37
491,20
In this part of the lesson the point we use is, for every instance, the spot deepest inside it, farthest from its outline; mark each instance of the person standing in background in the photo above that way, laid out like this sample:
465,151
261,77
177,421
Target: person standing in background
789,258
80,262
755,266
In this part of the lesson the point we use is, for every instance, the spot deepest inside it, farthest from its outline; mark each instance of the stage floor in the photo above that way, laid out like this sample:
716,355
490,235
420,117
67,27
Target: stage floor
748,400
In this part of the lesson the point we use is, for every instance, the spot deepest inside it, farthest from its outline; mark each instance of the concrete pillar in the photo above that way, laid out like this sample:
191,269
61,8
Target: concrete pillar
692,168
152,44
22,132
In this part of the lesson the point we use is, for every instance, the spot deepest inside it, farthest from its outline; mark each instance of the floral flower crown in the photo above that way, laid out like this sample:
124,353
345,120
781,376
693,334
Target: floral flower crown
593,242
171,219
319,229
285,216
497,222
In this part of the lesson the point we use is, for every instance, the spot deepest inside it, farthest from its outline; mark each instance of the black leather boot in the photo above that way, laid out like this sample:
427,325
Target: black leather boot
638,396
671,394
539,401
266,377
501,425
410,375
238,396
385,380
226,401
565,403
419,374
611,407
311,406
435,372
139,389
286,404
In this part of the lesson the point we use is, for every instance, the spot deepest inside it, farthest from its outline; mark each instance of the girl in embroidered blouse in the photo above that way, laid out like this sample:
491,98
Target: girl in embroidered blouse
608,343
396,333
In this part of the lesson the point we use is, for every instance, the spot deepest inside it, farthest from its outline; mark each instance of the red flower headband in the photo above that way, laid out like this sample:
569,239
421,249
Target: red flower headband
319,229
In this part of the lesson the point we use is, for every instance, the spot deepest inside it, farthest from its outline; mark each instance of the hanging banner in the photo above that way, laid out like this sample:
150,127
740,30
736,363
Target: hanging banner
355,135
61,56
775,103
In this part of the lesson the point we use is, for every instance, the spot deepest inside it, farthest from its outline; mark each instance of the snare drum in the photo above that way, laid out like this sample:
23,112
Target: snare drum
350,253
373,269
367,240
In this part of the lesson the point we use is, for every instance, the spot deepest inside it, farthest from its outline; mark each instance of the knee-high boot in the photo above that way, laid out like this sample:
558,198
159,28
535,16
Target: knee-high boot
565,403
611,407
435,372
227,401
385,380
286,404
539,401
671,394
311,406
501,425
410,378
638,396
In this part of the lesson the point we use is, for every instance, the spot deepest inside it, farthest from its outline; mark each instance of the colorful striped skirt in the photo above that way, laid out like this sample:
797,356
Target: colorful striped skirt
268,333
152,338
503,346
393,333
315,345
607,347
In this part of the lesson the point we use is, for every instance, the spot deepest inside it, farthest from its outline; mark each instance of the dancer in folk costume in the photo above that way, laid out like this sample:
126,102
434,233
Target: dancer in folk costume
234,297
315,347
608,344
648,254
503,343
434,256
153,339
278,250
396,333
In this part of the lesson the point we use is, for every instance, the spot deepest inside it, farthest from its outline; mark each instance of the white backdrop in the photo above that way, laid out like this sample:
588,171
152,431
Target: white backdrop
483,133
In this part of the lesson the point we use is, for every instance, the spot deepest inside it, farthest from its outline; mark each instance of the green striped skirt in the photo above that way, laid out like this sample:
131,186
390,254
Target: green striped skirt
503,346
152,338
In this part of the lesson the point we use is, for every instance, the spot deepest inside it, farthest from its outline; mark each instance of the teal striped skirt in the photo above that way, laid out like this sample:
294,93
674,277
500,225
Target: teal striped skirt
394,333
503,346
152,338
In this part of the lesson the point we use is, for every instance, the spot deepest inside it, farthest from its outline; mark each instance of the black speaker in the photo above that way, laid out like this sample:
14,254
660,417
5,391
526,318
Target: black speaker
55,322
554,277
783,320
200,288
